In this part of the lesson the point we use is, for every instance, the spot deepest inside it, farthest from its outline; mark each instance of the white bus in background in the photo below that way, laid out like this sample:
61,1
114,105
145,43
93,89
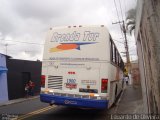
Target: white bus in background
81,67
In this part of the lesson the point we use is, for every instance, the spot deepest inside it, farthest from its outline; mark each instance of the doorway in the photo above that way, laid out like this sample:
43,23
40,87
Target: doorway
26,76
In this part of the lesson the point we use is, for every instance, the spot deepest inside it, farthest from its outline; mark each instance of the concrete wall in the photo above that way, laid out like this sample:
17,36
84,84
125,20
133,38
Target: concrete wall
3,80
135,73
147,34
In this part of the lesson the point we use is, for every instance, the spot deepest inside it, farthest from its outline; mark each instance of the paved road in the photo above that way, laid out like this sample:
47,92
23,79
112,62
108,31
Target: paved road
65,113
130,103
23,107
42,111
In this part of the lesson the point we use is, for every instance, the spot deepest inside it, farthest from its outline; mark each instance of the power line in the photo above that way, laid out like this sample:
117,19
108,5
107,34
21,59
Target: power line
16,51
6,46
22,42
116,9
121,9
118,18
118,41
125,43
125,8
125,36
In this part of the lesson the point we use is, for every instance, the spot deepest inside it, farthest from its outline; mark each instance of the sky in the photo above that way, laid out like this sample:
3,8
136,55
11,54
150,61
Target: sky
24,24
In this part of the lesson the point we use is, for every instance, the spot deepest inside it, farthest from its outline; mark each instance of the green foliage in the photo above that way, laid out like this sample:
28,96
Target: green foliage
130,20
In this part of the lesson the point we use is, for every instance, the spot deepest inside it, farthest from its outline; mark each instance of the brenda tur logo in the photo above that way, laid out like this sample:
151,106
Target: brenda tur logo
71,41
68,46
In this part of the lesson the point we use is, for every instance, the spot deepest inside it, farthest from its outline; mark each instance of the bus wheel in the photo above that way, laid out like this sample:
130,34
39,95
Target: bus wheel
50,104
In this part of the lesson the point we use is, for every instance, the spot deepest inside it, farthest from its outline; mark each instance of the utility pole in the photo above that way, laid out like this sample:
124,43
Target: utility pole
125,44
6,45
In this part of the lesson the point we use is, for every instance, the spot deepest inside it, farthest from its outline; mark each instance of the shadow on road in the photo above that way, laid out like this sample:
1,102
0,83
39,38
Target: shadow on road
66,113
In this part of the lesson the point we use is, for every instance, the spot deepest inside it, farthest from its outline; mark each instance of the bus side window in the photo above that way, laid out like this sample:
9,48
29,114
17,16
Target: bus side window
114,54
121,65
117,58
111,50
119,62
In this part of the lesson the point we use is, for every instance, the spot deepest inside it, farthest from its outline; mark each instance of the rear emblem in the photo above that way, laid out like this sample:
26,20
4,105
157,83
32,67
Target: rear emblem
70,102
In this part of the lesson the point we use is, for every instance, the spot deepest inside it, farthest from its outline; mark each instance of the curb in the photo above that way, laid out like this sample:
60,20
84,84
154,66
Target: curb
117,104
18,101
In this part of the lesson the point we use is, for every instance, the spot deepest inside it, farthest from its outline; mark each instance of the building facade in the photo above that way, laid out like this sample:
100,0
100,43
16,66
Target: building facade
19,74
3,79
135,73
147,34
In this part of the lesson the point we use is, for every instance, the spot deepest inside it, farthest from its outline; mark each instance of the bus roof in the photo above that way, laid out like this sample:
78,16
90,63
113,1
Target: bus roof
78,26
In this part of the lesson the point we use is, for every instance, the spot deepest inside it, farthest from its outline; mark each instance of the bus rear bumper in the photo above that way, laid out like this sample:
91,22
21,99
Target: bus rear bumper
74,102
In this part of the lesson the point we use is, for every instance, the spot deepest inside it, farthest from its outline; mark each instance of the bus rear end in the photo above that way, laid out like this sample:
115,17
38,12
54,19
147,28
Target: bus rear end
74,71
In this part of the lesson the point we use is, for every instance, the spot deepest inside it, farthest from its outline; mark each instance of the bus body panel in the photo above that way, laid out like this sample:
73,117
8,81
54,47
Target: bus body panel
66,49
74,102
75,62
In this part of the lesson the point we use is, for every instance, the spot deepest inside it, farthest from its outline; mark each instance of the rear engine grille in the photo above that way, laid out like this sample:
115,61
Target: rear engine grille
55,82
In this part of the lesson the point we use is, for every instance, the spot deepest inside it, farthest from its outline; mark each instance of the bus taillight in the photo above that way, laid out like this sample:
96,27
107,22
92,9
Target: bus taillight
104,84
43,78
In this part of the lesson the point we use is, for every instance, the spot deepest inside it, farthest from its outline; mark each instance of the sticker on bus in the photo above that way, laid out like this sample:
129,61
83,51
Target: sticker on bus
88,82
71,84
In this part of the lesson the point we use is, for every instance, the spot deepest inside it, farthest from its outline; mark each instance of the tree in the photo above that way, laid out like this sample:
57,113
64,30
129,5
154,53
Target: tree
131,20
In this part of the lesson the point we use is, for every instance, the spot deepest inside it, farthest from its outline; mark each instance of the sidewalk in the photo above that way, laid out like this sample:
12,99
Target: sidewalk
18,100
130,101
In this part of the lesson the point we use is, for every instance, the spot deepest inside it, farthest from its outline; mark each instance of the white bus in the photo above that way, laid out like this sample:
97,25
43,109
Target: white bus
81,67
